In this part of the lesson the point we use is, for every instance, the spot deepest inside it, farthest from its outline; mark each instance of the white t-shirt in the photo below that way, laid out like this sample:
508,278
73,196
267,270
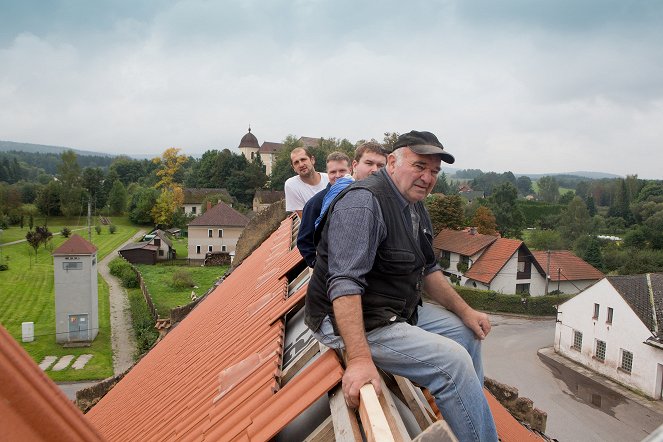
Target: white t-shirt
297,192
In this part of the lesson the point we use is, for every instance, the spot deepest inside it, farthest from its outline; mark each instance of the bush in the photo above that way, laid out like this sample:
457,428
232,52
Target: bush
112,228
142,321
497,302
4,221
116,266
97,229
65,232
182,279
129,278
3,267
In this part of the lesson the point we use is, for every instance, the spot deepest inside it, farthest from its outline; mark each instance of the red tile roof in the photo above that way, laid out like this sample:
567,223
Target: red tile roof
76,245
571,267
221,215
268,147
508,428
493,259
462,241
32,407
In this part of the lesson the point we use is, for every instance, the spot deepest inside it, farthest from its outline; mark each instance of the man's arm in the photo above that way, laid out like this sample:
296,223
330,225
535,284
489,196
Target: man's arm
441,291
359,367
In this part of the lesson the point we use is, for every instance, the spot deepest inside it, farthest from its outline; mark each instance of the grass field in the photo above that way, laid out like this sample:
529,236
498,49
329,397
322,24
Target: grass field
181,247
159,281
27,294
562,190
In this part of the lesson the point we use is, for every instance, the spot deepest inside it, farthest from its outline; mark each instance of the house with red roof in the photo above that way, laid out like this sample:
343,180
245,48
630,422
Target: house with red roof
615,327
506,265
241,366
216,230
76,292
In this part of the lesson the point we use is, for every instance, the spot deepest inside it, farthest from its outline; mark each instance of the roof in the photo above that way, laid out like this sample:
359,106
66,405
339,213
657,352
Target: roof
644,294
309,141
269,147
217,374
493,259
32,407
462,241
571,267
221,215
249,140
269,196
194,195
76,245
139,245
161,234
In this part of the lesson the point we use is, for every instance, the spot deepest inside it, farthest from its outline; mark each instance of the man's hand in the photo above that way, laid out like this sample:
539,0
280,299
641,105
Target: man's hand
476,321
359,372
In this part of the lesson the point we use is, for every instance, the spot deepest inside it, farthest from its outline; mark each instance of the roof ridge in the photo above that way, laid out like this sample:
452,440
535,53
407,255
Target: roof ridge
653,305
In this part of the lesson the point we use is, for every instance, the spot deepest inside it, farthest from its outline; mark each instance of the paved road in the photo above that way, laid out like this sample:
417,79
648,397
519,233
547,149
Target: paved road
510,357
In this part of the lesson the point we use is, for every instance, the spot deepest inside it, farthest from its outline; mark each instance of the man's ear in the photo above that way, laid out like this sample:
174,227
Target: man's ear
313,160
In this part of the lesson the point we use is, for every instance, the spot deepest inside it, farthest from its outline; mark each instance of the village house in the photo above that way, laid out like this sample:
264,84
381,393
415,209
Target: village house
251,149
216,230
194,197
506,265
264,198
157,247
615,327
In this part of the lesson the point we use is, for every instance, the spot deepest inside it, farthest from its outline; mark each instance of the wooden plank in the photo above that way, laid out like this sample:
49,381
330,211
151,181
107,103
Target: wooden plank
324,432
394,419
373,419
414,402
346,427
438,432
301,360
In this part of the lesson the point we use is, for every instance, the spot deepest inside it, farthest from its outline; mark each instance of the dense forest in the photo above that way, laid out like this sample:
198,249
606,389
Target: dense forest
552,212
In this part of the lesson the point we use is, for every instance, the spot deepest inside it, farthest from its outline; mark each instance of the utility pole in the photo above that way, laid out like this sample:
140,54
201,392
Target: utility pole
89,219
548,272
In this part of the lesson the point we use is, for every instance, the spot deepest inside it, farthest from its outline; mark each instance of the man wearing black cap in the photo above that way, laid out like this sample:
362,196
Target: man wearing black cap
375,258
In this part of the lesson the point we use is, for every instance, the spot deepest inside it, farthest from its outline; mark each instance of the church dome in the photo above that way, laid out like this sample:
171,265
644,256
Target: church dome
249,140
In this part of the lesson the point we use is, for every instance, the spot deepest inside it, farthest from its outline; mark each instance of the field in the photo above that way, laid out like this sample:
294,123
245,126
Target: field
159,281
27,294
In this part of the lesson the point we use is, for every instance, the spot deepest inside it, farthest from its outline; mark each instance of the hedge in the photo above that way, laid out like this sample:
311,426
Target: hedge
501,303
536,210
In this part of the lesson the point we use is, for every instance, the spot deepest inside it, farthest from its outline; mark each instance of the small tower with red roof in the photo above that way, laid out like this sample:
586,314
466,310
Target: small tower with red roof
76,293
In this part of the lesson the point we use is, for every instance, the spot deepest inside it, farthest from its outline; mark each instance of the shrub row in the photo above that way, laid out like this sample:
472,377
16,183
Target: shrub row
122,269
143,324
500,303
535,210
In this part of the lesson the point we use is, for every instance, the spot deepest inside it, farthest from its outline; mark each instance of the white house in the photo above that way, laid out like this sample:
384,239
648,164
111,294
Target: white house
76,293
615,328
251,149
194,197
216,230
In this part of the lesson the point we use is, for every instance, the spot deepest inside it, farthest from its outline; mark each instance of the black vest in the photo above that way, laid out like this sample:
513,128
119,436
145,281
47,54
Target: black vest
394,284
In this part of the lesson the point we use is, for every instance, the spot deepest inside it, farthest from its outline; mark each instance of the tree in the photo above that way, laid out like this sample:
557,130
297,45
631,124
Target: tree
524,185
389,140
509,217
41,235
574,221
142,202
48,200
548,189
172,195
69,173
567,197
544,240
588,247
168,203
484,221
445,212
442,186
214,199
117,199
92,182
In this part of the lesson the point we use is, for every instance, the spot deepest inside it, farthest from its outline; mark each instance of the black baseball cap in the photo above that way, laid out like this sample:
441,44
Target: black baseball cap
423,143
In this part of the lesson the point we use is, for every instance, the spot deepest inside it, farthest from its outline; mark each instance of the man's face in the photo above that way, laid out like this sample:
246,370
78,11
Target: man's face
368,164
415,175
301,163
336,170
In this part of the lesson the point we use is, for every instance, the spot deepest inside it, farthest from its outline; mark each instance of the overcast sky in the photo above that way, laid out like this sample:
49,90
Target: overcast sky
521,85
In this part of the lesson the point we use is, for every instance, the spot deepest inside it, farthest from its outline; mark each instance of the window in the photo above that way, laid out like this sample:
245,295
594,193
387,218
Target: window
94,261
197,250
223,248
193,210
599,353
627,361
220,233
522,289
610,312
72,265
157,242
577,340
596,311
209,233
160,252
209,248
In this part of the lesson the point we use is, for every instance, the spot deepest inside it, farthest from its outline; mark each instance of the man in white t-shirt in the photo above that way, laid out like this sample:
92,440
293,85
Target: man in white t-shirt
301,187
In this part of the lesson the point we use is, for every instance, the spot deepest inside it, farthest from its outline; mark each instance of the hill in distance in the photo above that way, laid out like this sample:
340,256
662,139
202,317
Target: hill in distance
6,146
583,174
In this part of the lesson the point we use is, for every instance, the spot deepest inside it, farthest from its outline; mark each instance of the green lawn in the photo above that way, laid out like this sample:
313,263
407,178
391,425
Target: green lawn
181,247
27,294
159,281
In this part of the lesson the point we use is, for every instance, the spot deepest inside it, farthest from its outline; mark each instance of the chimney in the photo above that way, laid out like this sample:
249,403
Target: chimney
473,230
209,205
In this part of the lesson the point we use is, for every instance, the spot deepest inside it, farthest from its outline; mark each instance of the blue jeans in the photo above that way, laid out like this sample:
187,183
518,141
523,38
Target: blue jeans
439,353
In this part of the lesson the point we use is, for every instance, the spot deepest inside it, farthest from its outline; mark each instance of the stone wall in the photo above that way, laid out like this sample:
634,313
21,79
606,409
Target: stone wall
88,397
258,230
521,408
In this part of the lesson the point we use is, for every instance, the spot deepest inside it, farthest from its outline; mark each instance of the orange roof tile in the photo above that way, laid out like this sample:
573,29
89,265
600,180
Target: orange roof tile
508,428
492,260
32,407
571,267
76,245
462,241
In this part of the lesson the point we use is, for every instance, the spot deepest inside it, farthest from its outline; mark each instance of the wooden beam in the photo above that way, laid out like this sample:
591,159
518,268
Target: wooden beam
324,432
438,432
346,427
394,419
414,402
373,419
301,360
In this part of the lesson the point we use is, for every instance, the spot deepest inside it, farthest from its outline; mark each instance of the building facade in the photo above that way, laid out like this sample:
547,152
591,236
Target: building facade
217,230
